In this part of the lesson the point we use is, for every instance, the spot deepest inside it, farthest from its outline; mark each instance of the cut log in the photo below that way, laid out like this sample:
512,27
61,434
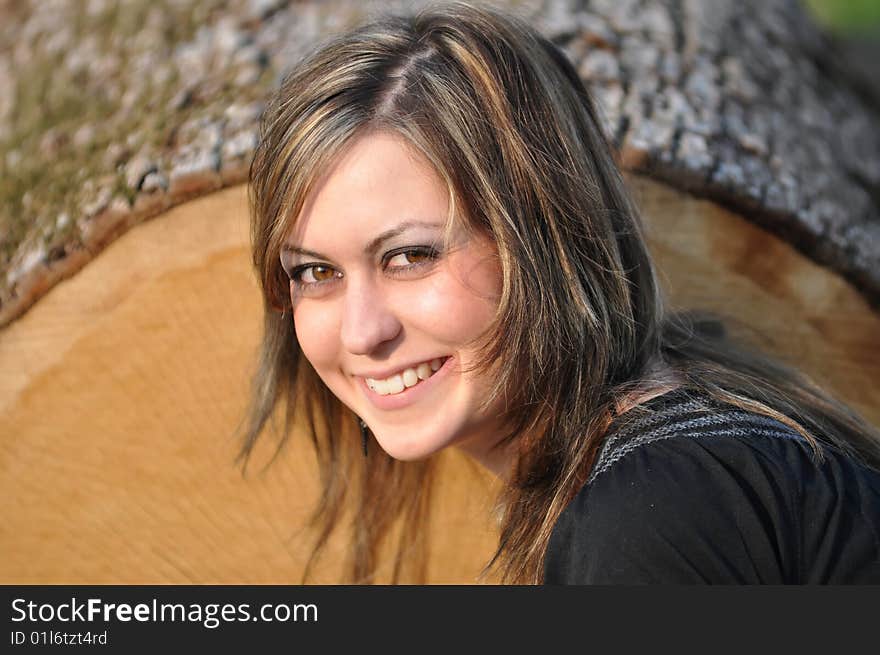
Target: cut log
755,162
123,389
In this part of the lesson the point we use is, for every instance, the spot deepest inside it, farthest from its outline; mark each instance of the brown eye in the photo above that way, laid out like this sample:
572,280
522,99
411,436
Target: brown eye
412,257
322,273
309,274
416,257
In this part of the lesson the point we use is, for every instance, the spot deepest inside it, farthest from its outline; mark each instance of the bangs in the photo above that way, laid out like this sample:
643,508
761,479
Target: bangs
289,171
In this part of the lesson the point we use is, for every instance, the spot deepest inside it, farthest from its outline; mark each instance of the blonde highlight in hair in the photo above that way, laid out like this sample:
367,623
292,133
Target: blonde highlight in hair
501,114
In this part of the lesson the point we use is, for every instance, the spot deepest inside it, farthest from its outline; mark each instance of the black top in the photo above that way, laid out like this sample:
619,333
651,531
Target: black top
683,495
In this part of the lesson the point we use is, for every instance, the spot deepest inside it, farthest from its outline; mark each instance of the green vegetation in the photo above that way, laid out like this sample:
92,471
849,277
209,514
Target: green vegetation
848,16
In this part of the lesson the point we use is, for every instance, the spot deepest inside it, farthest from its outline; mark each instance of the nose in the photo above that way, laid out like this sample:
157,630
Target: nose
368,320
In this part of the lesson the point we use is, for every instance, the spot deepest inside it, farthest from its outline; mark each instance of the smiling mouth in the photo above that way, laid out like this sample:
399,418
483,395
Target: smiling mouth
409,377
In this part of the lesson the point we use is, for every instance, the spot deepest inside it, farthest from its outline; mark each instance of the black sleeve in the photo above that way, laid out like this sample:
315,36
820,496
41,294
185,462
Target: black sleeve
686,510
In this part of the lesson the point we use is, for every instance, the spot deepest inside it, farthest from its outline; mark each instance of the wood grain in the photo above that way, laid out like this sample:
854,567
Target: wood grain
121,392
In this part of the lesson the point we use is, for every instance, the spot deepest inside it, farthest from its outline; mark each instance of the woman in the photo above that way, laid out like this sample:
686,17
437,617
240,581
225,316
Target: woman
449,257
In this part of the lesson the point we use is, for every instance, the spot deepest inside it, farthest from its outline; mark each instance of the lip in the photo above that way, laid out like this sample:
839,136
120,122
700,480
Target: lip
408,395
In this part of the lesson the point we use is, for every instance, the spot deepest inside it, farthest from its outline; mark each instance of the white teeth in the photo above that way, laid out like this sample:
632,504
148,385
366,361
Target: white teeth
408,378
395,384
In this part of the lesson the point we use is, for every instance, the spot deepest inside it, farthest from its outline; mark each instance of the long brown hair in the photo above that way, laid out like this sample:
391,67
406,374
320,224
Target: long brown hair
501,114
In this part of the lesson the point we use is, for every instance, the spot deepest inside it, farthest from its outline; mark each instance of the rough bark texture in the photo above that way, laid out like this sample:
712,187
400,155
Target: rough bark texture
745,103
741,102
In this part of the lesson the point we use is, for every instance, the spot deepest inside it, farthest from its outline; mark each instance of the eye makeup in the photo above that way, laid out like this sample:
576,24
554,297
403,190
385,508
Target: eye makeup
310,277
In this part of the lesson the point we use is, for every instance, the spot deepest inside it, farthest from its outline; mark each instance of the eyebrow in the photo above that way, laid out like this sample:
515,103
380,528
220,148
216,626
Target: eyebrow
374,243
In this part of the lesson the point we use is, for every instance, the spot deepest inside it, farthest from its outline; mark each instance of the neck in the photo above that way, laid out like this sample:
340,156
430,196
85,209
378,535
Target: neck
500,460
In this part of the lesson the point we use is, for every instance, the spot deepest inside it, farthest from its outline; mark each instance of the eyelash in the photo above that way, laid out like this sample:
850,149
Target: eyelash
424,251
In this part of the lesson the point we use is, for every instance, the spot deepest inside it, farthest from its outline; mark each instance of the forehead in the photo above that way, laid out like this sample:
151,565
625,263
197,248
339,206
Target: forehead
376,181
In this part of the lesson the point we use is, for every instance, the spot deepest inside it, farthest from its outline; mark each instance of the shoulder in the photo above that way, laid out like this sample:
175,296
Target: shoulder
684,509
690,494
699,428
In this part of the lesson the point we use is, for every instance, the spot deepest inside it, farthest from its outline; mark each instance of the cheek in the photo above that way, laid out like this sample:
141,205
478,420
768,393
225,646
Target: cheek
457,305
315,333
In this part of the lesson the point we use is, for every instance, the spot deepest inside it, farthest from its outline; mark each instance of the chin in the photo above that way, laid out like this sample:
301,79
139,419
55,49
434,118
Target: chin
411,448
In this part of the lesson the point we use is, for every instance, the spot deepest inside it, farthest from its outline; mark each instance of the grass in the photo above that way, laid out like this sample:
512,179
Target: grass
848,17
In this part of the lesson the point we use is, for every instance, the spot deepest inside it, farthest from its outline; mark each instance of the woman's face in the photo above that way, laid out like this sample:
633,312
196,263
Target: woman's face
384,314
